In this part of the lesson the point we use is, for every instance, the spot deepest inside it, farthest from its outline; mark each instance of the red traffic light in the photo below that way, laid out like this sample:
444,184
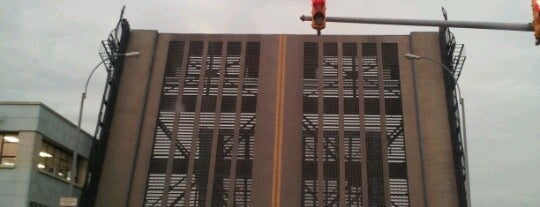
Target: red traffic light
318,2
318,12
536,20
536,5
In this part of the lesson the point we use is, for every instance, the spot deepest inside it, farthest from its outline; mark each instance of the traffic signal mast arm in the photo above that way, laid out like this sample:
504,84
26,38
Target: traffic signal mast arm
435,23
319,19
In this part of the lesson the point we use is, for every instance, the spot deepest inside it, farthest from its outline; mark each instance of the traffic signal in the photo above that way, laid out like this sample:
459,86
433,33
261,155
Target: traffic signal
536,20
318,14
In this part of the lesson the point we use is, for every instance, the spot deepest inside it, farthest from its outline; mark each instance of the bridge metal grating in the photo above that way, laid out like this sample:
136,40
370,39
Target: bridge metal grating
353,138
204,138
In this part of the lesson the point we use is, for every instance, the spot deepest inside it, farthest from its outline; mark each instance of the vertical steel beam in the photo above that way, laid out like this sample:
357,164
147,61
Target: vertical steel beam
236,133
320,129
193,148
382,112
215,133
361,114
341,134
177,111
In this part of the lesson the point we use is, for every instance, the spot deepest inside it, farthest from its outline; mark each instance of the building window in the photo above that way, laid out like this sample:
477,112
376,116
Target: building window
55,161
35,204
8,149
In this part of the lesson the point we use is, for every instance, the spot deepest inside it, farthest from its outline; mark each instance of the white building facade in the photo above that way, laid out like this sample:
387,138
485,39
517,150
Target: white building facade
36,153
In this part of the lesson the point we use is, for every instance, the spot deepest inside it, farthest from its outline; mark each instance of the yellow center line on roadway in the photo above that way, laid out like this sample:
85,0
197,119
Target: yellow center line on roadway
277,119
281,112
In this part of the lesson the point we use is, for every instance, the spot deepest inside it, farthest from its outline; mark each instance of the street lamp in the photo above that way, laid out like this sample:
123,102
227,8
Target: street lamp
83,97
461,103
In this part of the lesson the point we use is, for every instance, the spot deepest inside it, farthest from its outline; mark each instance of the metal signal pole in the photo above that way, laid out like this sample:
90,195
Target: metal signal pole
435,23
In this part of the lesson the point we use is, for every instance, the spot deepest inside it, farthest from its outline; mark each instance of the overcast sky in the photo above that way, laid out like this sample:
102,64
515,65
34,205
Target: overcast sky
47,49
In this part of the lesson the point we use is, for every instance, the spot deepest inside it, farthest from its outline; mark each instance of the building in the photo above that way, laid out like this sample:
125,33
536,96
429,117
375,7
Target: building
36,150
281,120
